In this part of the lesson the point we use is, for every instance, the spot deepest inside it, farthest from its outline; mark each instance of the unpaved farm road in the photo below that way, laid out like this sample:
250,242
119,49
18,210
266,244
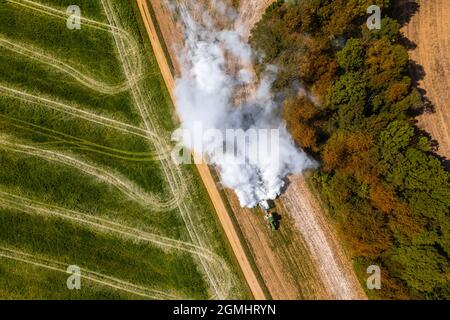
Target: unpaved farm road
429,29
203,170
304,259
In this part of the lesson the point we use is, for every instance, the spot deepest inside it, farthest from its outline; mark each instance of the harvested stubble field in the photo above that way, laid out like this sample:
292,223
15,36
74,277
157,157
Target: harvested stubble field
86,177
429,30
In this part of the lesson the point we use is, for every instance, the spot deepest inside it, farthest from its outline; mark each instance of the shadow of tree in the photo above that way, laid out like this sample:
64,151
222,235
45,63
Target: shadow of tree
410,45
417,73
404,10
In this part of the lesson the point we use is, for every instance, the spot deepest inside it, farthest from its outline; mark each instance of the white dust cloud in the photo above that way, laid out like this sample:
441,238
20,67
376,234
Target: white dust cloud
206,97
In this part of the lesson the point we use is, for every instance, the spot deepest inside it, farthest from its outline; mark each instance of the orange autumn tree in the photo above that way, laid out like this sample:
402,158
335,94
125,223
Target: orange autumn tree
299,113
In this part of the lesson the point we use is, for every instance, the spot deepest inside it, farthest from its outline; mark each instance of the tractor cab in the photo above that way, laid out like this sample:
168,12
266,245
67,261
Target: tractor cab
272,222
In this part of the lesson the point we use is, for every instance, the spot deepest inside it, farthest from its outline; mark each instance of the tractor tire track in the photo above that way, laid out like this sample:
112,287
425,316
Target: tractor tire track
99,278
219,277
83,79
132,47
81,144
121,183
75,112
13,201
220,282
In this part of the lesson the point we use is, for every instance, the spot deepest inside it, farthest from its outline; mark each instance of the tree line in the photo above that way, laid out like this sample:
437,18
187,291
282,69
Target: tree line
349,100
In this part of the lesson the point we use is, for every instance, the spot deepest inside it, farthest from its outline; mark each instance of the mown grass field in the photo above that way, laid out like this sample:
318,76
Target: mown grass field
85,174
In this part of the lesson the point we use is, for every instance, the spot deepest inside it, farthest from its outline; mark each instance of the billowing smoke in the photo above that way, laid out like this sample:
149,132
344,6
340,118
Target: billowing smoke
213,71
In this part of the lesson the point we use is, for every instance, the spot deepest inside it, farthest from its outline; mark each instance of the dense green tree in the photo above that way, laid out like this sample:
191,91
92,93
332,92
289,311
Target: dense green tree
392,141
349,89
352,55
421,267
423,182
390,29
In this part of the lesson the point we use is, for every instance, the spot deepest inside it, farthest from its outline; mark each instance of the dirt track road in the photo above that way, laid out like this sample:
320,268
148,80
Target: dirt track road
203,170
429,29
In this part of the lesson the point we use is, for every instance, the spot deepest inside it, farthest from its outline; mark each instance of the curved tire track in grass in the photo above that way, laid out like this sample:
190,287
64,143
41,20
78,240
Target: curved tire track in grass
13,201
74,111
121,183
81,144
219,278
132,47
83,79
220,283
93,276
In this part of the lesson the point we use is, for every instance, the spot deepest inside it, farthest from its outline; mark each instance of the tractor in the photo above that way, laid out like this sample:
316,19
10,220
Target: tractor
271,221
270,217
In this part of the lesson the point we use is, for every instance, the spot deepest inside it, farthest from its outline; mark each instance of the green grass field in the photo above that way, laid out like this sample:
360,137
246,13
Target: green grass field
86,177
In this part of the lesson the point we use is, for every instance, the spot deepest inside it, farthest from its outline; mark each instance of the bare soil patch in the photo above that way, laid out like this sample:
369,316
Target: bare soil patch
429,30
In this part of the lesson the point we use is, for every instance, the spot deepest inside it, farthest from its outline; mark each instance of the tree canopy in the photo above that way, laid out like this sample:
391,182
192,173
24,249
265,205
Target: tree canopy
388,193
